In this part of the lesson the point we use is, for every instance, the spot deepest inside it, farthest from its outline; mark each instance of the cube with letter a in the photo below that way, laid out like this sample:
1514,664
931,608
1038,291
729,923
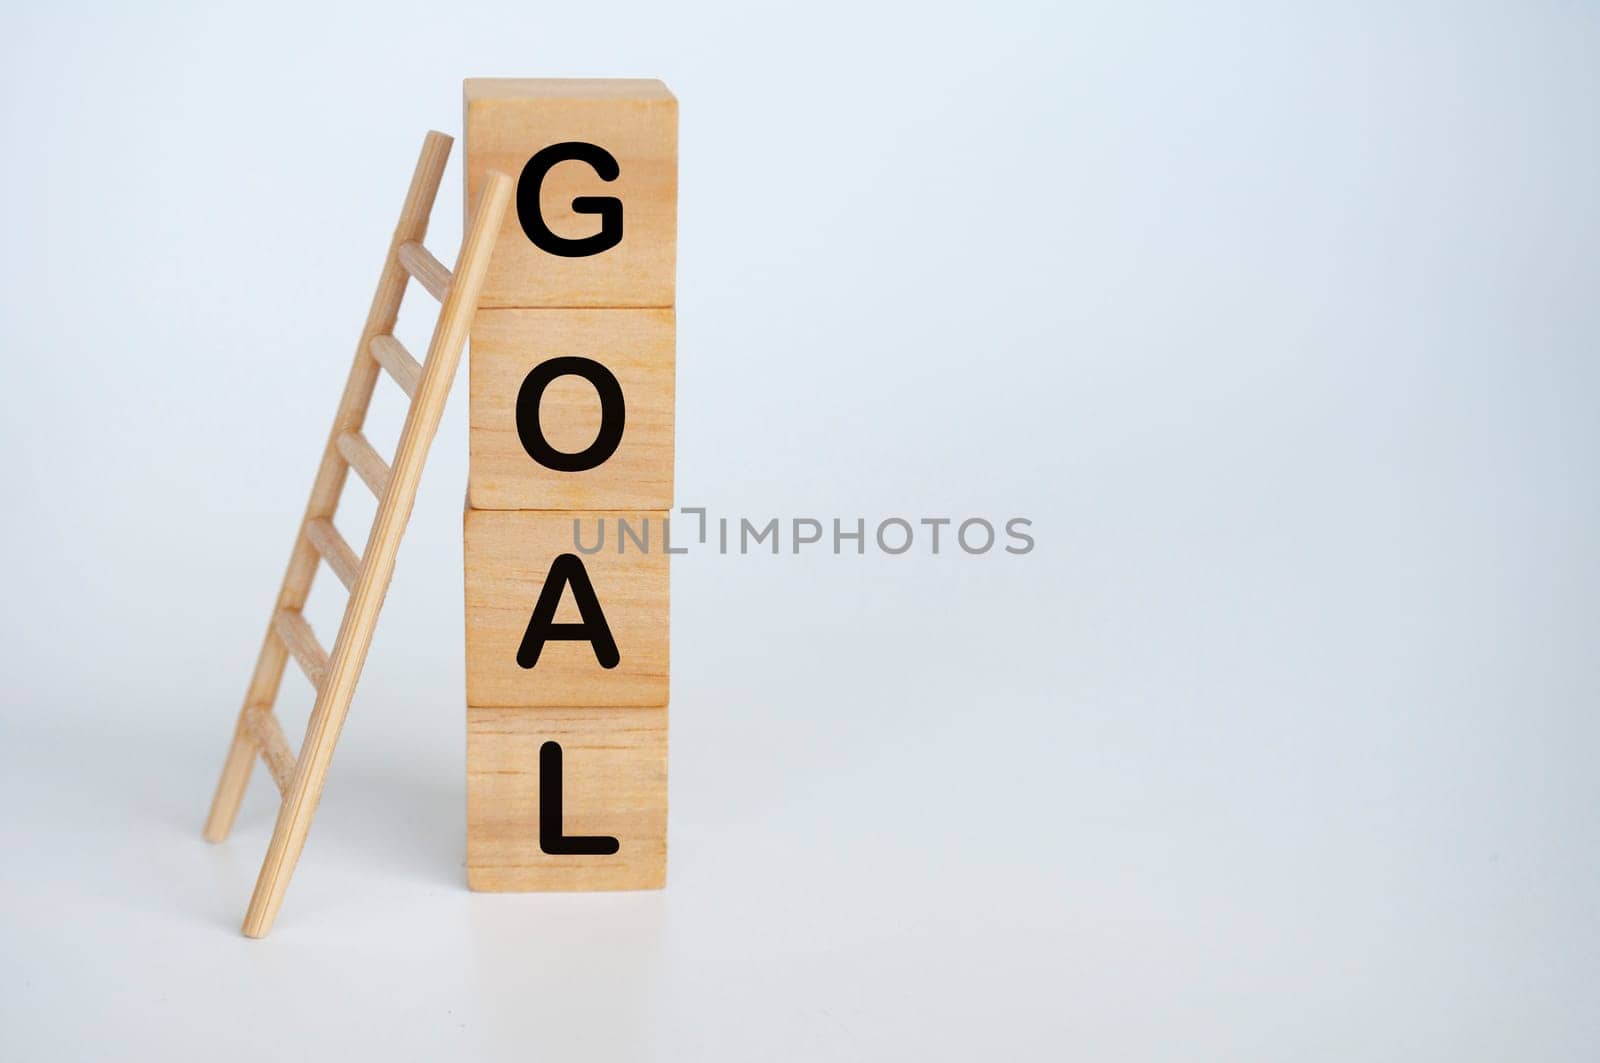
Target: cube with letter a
570,483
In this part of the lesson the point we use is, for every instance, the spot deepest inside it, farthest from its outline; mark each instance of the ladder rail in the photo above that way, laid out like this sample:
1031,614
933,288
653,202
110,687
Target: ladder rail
300,777
383,544
329,483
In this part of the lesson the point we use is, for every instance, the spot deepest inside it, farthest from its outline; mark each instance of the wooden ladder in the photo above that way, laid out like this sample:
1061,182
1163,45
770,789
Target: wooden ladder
334,674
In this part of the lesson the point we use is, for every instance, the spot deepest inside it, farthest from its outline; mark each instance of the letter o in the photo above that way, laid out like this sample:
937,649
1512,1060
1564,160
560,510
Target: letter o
961,534
898,522
613,414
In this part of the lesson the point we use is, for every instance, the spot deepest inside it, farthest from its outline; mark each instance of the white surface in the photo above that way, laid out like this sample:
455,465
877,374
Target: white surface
1279,324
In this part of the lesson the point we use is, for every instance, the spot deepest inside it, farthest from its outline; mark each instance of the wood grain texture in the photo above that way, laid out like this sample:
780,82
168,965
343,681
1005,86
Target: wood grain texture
508,120
508,558
393,356
359,452
427,270
333,549
301,641
275,751
614,782
636,346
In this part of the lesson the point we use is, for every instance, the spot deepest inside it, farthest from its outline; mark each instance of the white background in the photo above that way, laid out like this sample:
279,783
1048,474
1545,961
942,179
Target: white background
1279,322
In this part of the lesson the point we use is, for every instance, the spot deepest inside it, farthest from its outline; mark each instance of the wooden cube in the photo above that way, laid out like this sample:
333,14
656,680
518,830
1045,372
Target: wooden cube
592,225
544,378
606,828
530,639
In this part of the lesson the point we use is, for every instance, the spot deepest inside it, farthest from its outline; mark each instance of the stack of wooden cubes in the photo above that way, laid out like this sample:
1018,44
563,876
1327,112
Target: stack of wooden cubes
571,411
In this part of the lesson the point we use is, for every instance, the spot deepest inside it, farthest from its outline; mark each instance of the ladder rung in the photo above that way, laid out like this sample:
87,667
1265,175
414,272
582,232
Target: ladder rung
365,461
274,747
334,550
392,355
420,263
301,641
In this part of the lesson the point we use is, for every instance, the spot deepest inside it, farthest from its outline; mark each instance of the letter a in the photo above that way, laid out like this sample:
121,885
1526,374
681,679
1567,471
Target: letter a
564,570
